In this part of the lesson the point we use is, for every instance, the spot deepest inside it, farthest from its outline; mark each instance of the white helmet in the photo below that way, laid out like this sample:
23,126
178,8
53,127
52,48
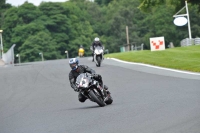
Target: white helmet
96,39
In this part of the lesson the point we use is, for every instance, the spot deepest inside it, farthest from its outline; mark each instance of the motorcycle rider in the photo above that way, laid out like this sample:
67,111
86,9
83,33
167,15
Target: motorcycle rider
78,69
95,43
81,51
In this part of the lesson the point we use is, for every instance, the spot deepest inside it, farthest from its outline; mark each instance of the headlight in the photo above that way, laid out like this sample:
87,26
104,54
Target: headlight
97,51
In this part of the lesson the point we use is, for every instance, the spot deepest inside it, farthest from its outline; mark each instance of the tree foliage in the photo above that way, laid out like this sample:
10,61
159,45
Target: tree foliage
41,42
54,27
3,7
147,5
103,2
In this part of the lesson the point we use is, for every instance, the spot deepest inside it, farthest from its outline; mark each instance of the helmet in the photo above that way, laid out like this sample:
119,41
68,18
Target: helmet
96,40
73,63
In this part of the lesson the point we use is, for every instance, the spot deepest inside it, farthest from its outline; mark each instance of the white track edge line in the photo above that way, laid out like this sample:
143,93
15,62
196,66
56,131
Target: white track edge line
154,66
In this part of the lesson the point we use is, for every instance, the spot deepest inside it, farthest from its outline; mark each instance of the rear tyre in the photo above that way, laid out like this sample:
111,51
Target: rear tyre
109,101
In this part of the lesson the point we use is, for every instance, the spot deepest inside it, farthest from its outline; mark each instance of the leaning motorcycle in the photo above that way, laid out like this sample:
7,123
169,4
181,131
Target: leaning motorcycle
91,89
98,55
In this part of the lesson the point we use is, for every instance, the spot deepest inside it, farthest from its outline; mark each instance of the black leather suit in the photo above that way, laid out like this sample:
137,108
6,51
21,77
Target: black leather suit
96,44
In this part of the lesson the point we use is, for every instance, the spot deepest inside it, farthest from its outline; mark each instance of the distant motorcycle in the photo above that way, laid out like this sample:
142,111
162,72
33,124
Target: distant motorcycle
91,89
98,55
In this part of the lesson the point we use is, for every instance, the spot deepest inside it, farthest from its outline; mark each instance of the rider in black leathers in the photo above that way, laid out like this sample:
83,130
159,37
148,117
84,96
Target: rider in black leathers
96,42
78,69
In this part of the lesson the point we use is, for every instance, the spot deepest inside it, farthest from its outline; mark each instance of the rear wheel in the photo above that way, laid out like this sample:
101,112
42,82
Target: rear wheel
109,101
97,99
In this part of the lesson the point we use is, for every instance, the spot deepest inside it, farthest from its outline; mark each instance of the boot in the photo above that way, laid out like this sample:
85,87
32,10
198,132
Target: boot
106,88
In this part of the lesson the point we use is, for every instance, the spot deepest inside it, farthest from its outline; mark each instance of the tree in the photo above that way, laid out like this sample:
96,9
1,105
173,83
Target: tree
67,25
120,14
147,5
19,25
41,42
80,31
103,2
10,21
159,23
194,21
3,7
28,12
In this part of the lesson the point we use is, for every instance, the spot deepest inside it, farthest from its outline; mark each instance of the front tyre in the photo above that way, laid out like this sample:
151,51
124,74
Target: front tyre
97,99
98,61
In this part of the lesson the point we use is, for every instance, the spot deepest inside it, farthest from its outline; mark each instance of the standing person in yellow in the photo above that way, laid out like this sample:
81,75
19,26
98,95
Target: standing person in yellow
81,51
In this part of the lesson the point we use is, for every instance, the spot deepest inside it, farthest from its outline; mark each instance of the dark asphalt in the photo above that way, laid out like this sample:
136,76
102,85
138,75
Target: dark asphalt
37,98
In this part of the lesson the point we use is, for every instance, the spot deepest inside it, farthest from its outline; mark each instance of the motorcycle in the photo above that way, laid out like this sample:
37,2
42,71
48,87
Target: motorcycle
98,55
91,89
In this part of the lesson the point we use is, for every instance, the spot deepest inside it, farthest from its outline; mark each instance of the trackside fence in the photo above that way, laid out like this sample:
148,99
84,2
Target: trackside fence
188,42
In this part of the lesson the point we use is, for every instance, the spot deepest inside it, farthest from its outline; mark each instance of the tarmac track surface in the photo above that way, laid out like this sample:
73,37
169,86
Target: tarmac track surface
37,98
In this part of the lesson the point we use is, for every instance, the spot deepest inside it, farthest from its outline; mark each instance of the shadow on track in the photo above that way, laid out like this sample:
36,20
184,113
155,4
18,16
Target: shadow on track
88,107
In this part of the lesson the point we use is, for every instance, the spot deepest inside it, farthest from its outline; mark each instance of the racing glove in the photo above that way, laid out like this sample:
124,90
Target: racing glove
76,89
95,75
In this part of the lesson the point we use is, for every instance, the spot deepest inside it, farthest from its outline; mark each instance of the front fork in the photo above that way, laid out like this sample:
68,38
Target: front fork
98,90
95,58
103,92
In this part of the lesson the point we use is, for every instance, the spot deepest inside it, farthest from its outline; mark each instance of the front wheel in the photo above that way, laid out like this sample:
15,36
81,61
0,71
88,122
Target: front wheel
98,61
109,101
97,99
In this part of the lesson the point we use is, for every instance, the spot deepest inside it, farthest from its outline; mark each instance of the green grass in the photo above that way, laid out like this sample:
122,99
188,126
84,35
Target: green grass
182,58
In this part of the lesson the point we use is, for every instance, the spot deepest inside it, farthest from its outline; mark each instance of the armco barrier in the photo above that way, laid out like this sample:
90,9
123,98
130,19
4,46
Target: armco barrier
197,41
188,42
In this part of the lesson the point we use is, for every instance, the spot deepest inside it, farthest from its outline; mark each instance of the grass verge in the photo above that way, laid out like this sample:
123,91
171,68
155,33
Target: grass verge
182,58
